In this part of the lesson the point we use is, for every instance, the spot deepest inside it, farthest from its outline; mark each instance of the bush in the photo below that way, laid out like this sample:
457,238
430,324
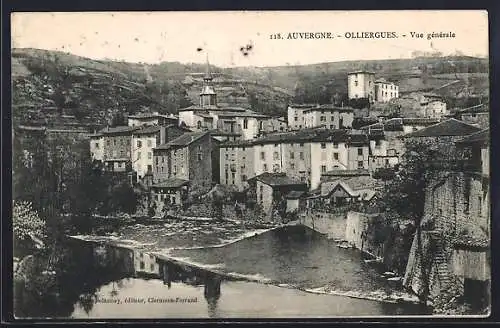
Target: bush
26,222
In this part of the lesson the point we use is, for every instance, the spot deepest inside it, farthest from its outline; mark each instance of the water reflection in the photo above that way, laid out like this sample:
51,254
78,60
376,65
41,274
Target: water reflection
98,276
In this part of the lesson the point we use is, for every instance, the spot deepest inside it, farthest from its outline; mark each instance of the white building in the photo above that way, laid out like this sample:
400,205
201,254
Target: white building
97,147
303,155
295,115
361,84
143,142
385,91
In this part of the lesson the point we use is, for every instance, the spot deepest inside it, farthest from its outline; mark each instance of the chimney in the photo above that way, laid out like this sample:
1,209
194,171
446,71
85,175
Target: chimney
163,135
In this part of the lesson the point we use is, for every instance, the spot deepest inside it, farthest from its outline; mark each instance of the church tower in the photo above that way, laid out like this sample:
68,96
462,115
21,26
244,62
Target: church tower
208,97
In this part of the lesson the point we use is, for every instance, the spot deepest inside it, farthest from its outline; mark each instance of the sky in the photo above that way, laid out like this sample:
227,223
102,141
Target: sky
153,37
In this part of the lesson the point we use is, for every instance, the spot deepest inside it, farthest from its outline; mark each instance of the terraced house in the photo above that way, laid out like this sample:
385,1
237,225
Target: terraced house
303,155
144,140
117,143
183,160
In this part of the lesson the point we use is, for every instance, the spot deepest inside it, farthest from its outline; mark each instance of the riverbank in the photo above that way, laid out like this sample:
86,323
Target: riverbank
246,271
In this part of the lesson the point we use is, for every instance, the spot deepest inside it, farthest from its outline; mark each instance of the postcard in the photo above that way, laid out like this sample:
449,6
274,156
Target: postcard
251,164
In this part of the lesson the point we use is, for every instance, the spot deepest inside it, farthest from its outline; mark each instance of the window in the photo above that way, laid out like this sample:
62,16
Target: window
97,145
150,144
152,267
386,162
139,143
198,124
108,142
200,156
323,145
301,155
356,84
150,168
276,155
142,264
227,157
262,155
360,151
341,122
276,168
301,145
360,164
139,155
163,159
232,177
243,177
245,124
264,167
114,142
157,160
292,166
296,118
335,145
323,168
336,156
150,155
322,118
292,155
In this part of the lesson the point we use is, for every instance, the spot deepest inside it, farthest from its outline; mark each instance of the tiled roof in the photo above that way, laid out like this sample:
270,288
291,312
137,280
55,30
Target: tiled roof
312,135
247,113
297,106
361,184
184,140
278,179
148,130
451,127
481,108
214,108
361,72
118,130
171,183
329,107
347,173
150,115
482,136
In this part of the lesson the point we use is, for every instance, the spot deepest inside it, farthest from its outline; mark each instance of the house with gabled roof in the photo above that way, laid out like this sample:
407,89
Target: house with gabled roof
187,157
271,190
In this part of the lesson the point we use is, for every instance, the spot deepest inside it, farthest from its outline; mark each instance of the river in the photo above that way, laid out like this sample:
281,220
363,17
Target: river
290,272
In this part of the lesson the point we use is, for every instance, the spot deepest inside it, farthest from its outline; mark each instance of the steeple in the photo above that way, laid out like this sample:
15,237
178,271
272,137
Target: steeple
208,74
208,96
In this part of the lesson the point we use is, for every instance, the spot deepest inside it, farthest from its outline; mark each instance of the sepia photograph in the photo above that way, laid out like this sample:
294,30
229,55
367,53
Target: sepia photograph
251,164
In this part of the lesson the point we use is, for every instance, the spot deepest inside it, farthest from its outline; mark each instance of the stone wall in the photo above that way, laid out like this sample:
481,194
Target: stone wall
357,231
331,224
455,205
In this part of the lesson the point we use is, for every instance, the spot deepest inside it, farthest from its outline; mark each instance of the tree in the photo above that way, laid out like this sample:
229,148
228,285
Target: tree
26,222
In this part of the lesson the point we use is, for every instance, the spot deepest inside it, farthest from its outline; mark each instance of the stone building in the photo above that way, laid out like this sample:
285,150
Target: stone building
187,157
272,189
329,116
453,252
361,84
385,90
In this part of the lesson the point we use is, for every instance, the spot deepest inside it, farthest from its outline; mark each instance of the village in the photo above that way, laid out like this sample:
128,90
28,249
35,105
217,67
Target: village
327,167
322,166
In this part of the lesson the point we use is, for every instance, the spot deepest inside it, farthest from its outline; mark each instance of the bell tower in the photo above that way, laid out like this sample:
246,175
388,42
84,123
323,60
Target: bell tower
208,97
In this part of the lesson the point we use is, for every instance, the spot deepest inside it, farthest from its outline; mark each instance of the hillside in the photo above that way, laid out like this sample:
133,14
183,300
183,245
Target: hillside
48,84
